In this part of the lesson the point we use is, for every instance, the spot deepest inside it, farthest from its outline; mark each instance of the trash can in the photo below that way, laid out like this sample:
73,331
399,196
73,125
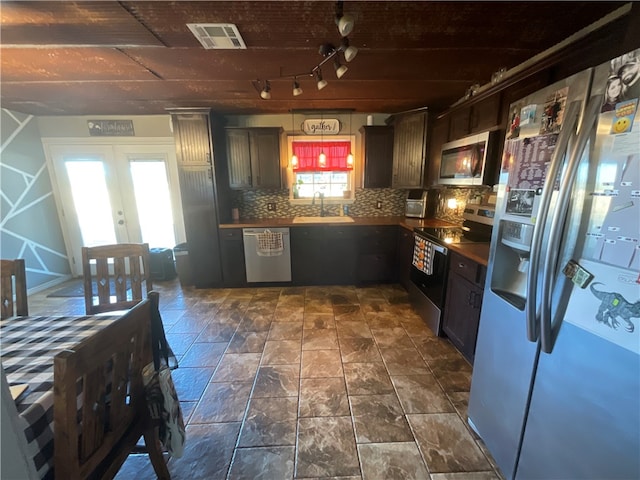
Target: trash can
183,264
161,264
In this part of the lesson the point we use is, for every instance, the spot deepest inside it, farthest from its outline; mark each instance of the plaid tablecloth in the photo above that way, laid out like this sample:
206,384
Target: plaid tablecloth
27,348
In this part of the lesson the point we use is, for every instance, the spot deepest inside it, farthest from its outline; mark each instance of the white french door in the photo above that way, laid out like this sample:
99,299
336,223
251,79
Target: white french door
116,194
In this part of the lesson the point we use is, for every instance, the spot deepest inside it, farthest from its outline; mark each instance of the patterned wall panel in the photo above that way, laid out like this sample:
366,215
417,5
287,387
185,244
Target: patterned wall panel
29,226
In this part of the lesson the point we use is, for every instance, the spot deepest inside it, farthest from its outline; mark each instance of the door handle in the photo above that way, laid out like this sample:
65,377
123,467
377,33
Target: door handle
566,134
558,219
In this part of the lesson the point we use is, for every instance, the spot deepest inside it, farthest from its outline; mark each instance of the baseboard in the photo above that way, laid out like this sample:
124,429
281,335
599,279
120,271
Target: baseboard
49,284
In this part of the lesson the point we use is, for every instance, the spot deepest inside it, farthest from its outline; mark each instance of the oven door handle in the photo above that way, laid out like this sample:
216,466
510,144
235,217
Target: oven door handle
440,248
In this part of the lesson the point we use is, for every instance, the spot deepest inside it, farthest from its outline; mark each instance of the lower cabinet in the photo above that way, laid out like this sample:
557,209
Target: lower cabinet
376,254
404,257
338,256
334,255
308,251
464,300
323,255
232,257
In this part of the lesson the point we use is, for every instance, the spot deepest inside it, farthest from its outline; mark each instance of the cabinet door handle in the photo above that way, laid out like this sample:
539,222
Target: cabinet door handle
249,179
461,265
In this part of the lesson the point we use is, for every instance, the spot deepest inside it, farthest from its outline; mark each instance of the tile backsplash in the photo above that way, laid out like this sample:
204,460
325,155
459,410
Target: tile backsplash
253,204
438,201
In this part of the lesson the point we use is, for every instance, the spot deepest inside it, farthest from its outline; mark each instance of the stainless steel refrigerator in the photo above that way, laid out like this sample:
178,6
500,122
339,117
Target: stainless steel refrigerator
555,392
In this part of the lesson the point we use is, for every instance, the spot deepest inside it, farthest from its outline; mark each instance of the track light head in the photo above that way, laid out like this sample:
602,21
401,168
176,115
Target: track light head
296,88
320,82
265,94
350,51
340,69
345,24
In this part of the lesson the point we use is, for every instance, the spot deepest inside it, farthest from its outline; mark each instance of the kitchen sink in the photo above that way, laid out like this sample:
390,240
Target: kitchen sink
322,220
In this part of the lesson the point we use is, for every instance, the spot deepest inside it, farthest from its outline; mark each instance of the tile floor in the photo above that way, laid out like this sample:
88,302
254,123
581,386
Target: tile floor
315,382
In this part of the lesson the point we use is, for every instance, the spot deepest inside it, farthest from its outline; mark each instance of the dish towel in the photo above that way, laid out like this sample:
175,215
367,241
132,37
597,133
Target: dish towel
423,255
269,244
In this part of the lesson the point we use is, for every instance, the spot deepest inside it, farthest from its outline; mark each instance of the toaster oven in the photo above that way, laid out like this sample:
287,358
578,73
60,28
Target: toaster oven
416,204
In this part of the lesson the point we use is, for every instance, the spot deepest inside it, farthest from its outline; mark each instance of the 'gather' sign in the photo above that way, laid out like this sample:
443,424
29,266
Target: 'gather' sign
326,126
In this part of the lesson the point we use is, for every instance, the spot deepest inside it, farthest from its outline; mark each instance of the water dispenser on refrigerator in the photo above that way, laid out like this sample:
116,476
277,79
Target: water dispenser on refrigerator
511,262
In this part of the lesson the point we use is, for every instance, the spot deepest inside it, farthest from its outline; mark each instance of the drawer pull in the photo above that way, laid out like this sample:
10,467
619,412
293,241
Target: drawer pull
461,265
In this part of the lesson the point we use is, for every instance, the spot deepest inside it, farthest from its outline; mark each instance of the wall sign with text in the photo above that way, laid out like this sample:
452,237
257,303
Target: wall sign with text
326,126
111,128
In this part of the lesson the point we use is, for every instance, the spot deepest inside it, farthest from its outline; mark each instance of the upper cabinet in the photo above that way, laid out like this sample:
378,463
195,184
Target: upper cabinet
191,134
378,156
253,156
478,117
438,137
409,150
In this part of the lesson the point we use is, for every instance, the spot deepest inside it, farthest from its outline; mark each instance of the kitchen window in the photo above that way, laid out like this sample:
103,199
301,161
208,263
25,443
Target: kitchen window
331,175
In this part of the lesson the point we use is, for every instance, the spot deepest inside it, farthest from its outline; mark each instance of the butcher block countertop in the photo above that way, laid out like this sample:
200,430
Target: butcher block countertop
478,252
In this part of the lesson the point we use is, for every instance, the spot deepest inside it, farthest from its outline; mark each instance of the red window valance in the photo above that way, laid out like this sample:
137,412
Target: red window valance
308,153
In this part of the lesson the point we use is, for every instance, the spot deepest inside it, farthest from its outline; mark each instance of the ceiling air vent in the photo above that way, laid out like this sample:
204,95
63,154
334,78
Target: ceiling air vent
217,35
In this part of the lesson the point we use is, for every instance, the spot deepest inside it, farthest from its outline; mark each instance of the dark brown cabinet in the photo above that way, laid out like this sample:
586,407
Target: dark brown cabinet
439,136
378,155
404,257
253,156
323,255
478,117
198,191
232,256
339,256
464,301
376,254
409,150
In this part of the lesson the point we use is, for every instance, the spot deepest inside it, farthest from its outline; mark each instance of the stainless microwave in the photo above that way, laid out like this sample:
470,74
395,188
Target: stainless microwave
464,161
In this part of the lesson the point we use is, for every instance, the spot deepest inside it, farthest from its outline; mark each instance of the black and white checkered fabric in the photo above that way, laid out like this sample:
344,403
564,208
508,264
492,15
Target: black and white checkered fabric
27,348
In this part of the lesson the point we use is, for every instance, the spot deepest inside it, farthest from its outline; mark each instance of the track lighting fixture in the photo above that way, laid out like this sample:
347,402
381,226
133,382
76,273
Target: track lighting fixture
296,88
328,51
340,69
319,81
265,94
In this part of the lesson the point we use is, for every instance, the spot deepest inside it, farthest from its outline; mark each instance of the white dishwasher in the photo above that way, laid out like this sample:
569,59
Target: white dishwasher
267,254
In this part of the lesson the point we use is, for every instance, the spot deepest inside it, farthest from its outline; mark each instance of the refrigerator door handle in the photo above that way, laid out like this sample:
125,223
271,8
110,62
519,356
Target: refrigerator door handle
558,219
568,131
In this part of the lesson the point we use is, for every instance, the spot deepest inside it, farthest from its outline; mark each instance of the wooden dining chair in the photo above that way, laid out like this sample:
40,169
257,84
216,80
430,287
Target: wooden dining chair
116,277
14,284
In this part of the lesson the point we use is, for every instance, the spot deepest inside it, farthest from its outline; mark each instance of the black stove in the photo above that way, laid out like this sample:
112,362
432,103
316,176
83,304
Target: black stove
453,235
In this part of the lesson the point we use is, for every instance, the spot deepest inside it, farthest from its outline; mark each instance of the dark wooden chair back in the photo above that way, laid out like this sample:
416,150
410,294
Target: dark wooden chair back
14,284
116,277
94,441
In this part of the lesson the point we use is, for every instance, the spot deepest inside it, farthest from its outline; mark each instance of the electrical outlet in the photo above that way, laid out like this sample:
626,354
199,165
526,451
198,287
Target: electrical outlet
379,204
271,207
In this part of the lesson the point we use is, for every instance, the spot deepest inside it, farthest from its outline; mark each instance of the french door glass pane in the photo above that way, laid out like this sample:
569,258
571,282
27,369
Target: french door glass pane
151,190
91,201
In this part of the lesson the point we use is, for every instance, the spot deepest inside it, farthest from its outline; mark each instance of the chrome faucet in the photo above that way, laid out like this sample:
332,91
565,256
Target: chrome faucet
313,202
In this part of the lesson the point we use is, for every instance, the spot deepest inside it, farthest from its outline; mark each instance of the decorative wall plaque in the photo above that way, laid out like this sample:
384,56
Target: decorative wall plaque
325,126
111,128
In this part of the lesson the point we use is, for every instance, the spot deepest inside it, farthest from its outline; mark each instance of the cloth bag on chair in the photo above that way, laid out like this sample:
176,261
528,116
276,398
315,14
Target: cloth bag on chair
160,392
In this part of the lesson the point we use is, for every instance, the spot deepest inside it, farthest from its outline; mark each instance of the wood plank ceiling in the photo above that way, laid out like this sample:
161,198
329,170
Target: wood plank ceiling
139,57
